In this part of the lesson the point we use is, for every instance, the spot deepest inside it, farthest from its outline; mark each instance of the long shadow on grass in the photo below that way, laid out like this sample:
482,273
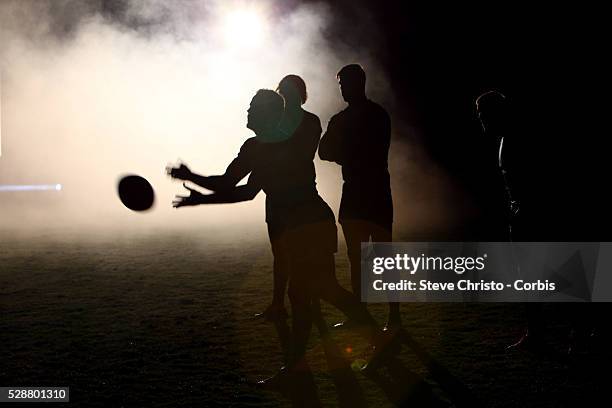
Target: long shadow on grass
460,395
300,387
349,391
402,387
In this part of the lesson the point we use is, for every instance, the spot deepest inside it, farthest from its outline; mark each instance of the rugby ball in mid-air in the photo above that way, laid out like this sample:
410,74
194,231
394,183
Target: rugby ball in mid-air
136,193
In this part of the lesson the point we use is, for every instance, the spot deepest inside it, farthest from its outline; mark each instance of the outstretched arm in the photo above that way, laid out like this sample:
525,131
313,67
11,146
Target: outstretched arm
221,183
236,194
236,171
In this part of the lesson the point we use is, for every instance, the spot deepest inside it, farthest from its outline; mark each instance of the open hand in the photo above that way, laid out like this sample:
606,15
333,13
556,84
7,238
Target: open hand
182,172
194,198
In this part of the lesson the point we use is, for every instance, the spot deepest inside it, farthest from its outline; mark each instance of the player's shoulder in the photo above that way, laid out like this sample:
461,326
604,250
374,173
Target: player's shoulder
377,109
311,119
309,116
249,145
340,115
251,141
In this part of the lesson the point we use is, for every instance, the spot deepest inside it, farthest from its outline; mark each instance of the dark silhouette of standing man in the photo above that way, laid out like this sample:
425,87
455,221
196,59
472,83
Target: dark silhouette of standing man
358,139
494,113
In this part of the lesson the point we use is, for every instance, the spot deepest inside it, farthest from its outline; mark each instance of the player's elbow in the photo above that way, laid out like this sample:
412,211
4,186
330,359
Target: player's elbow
247,193
223,183
252,194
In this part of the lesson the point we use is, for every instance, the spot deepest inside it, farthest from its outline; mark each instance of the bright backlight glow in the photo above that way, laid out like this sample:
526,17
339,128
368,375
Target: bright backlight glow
243,28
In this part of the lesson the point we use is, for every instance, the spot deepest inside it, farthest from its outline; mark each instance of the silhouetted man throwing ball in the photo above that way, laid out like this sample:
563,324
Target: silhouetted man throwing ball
306,225
358,139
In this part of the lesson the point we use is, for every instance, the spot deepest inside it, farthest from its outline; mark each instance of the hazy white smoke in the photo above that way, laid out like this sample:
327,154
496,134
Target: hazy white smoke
89,95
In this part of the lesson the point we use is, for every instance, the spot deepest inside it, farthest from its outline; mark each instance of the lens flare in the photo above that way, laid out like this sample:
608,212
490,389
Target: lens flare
30,187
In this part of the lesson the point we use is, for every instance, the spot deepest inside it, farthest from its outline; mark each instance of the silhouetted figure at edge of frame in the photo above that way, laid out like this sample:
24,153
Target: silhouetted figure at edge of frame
358,139
307,223
493,112
303,128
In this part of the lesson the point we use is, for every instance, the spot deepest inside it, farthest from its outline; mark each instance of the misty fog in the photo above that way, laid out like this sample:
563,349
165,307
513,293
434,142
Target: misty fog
87,97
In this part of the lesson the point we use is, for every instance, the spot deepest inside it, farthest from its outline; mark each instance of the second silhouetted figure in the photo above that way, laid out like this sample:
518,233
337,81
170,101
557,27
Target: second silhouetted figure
358,139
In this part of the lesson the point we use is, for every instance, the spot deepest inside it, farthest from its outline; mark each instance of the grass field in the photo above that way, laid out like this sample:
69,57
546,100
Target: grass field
144,320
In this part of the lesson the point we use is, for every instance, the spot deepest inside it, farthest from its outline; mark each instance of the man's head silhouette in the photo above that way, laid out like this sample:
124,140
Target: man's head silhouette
352,79
492,110
293,89
264,114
